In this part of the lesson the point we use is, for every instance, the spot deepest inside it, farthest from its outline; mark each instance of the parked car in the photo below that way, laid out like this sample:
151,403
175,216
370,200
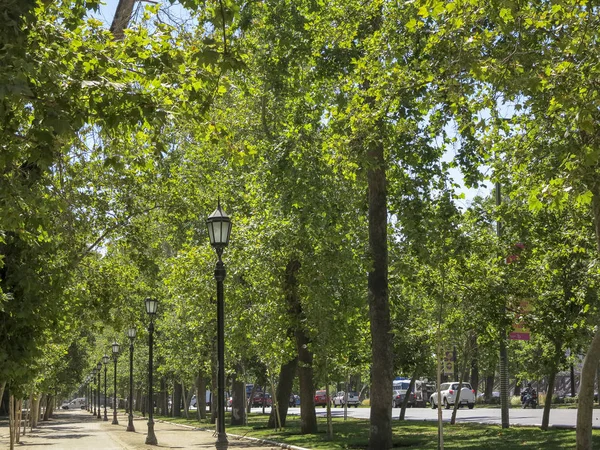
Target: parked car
294,400
259,398
398,398
339,399
448,393
321,398
77,403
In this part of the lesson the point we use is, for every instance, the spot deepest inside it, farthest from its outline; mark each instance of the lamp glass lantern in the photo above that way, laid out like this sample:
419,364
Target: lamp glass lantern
115,348
219,227
99,366
131,333
105,359
151,306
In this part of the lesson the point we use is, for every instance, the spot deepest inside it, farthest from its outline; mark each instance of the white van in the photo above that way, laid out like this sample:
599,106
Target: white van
77,403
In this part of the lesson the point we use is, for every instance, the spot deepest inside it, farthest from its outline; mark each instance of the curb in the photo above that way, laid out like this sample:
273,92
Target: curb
236,436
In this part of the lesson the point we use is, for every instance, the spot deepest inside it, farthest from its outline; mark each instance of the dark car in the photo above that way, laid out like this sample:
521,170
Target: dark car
294,400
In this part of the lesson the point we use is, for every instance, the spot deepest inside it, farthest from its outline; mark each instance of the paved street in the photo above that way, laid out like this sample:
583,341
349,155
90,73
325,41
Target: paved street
78,430
517,416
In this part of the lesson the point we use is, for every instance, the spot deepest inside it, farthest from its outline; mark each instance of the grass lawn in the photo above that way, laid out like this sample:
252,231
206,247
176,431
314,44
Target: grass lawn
353,434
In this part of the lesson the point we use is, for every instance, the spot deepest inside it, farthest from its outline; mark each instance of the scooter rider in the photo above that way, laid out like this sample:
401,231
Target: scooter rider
528,396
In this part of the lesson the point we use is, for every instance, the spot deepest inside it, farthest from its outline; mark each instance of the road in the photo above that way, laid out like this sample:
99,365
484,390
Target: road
517,416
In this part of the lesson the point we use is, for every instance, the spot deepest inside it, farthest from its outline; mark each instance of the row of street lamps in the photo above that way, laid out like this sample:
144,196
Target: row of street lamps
219,230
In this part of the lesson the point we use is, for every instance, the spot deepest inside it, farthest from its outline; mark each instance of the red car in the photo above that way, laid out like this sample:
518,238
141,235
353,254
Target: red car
321,398
258,399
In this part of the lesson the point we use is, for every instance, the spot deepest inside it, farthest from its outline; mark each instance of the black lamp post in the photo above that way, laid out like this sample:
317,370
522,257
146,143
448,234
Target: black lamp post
93,392
98,387
219,228
105,360
87,393
131,334
151,307
115,353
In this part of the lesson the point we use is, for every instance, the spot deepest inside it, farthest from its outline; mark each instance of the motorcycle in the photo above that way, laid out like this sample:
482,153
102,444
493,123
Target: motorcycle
529,398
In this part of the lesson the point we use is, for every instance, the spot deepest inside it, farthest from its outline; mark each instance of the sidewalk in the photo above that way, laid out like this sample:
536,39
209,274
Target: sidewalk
79,430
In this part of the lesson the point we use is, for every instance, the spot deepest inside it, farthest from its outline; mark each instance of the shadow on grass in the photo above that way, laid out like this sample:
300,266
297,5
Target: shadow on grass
354,434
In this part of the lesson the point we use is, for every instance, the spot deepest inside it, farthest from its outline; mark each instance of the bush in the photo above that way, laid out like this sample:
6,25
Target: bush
571,400
515,400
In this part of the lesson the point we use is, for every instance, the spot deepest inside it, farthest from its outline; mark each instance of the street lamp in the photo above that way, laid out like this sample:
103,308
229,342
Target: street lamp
105,360
219,228
151,307
98,386
131,335
115,353
94,370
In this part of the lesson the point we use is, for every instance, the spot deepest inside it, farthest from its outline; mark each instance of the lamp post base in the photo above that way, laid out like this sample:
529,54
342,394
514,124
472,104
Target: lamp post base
105,416
115,421
99,415
151,438
222,442
130,426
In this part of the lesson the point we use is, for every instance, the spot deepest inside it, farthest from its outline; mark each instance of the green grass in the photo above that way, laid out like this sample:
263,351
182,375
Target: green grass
354,433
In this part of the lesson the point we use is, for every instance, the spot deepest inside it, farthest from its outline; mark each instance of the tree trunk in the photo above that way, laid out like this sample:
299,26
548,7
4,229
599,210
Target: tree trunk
2,386
380,436
176,406
138,400
475,367
517,392
252,393
410,389
11,420
122,18
284,390
308,417
489,387
592,357
187,398
201,396
19,417
164,398
548,402
48,408
238,401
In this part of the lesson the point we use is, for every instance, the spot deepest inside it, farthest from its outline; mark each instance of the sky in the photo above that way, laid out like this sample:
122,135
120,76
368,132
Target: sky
107,11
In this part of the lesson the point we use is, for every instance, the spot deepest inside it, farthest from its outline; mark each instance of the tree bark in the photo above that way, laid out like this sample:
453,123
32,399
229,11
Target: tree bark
284,390
122,18
489,387
48,410
201,396
2,386
549,392
308,417
475,367
592,357
164,398
176,406
380,436
238,400
411,388
187,398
